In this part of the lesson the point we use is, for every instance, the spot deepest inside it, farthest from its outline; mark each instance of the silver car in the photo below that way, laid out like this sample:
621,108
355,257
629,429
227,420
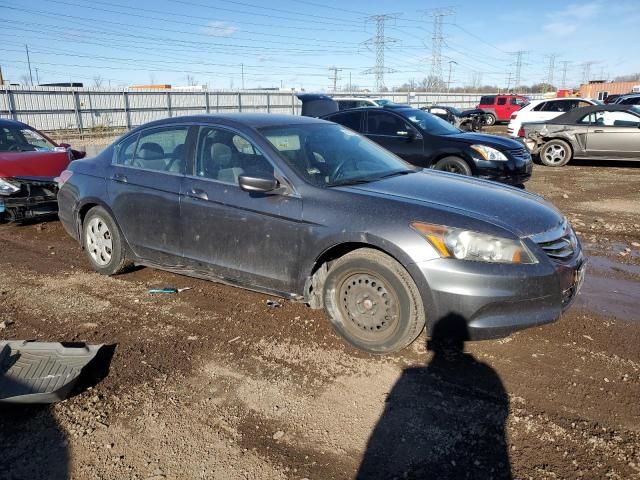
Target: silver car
309,210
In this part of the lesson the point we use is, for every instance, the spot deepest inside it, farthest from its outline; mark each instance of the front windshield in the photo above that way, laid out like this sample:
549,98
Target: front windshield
635,109
383,101
328,155
430,123
14,139
455,111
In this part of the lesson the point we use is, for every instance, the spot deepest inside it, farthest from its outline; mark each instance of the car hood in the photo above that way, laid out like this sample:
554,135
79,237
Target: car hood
33,164
494,141
510,208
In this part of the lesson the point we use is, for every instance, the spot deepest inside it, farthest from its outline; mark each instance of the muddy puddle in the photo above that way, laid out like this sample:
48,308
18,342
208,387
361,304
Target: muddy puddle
611,289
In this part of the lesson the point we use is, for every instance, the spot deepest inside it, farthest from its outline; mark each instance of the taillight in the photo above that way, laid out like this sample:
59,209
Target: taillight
63,178
513,116
521,132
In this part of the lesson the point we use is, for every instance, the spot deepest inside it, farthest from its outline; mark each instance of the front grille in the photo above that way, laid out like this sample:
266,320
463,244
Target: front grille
559,243
519,152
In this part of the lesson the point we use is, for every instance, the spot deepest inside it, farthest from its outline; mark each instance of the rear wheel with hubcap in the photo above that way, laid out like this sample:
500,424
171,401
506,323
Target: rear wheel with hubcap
373,302
555,153
453,165
103,242
489,119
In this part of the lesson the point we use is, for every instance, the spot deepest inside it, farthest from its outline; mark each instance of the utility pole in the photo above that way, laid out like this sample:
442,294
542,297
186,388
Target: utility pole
586,71
551,69
1,77
37,77
449,77
509,81
565,66
242,74
380,42
437,38
334,77
29,63
350,87
518,65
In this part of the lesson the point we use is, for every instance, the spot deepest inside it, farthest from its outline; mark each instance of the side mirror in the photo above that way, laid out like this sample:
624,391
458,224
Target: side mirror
64,145
408,134
258,184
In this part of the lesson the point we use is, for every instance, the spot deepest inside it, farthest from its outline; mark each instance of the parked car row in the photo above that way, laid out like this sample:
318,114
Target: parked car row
427,141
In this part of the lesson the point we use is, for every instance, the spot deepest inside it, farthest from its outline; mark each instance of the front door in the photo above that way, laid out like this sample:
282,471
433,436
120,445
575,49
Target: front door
250,238
614,134
144,191
396,135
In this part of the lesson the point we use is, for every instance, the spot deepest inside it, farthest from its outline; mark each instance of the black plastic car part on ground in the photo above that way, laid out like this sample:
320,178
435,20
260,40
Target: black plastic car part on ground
311,211
427,141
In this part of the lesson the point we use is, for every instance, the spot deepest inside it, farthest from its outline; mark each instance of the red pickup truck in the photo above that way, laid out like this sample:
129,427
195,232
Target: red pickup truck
499,108
29,163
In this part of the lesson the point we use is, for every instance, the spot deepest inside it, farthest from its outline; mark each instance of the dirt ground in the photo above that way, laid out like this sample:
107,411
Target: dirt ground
213,383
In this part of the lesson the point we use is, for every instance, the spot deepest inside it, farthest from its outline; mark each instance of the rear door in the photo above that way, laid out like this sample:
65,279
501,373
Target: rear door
245,237
396,135
502,108
144,191
613,134
353,120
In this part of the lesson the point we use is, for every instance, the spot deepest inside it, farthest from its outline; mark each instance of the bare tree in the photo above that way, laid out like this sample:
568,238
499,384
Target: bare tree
98,81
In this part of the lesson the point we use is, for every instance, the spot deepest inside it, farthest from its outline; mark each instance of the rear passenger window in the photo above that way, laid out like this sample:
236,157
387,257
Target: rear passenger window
502,101
487,100
350,120
224,155
383,123
162,150
541,107
124,151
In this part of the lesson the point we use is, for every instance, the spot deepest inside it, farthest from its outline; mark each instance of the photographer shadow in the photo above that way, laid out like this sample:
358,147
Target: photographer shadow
444,420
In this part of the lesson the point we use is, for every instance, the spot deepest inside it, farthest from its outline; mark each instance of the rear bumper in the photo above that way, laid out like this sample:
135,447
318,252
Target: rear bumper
495,300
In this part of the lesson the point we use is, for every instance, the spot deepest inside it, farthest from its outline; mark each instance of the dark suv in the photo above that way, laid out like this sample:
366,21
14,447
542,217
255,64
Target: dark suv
499,108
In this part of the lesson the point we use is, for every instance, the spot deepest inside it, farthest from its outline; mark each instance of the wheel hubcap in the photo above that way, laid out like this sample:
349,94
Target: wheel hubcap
369,305
555,153
99,243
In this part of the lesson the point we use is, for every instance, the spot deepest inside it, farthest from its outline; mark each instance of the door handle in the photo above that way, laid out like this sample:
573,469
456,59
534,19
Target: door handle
199,193
120,177
598,131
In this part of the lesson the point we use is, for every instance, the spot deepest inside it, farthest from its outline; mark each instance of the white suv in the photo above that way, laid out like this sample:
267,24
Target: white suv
543,110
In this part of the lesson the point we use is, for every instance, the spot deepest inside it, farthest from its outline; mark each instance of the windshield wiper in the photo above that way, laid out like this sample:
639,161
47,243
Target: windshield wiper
396,173
352,181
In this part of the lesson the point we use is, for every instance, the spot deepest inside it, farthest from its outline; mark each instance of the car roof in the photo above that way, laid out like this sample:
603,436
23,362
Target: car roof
337,99
254,120
577,113
6,122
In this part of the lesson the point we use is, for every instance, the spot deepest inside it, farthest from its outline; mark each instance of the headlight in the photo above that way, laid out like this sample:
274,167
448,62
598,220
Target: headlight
469,245
7,188
488,153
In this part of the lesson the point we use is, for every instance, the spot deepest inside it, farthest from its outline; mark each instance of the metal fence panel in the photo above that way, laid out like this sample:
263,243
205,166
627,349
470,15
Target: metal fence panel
86,109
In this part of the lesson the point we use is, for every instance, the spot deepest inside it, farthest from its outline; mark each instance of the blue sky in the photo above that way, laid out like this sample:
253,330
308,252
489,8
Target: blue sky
293,43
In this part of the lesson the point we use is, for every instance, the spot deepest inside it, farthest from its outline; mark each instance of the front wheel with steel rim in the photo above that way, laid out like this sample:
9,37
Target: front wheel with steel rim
373,302
103,242
555,153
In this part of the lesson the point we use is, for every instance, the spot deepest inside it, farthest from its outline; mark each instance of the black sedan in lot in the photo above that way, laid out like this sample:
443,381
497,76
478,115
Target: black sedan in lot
425,140
312,211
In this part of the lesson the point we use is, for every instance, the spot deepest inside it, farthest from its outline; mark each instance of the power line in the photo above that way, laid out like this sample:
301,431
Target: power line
551,69
586,71
518,66
438,15
380,42
334,77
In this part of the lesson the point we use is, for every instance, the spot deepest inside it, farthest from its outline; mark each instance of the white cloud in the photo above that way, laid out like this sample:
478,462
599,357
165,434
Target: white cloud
568,20
220,29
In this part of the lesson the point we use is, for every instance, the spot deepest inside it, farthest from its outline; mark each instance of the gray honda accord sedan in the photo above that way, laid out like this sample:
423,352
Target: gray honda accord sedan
309,210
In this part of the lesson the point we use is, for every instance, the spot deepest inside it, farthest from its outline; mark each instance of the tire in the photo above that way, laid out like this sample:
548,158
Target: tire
555,153
103,243
453,165
489,119
372,302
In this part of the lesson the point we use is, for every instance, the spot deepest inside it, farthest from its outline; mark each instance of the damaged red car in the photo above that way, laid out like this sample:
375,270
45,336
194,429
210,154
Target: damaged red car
29,163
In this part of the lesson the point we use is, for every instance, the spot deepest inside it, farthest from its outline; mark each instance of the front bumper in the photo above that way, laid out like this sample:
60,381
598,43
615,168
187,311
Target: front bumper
515,171
36,198
496,300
